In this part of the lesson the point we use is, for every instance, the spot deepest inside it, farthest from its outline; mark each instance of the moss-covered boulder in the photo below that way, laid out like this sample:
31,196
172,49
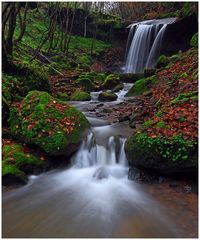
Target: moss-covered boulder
163,155
194,40
141,86
17,162
111,81
163,61
118,87
107,96
48,123
80,95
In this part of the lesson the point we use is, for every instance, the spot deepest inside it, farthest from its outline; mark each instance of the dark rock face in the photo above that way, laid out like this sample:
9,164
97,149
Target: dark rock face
178,35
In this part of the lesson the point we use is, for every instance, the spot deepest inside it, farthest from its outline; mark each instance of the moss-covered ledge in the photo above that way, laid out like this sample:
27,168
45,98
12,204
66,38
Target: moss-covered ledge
166,156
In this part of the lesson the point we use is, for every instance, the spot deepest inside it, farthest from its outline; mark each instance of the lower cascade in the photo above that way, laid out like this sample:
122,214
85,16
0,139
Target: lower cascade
144,44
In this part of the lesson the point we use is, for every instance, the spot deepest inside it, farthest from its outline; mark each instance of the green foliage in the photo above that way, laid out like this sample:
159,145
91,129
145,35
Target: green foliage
161,124
111,81
184,97
187,9
47,122
147,124
159,113
163,61
141,86
26,78
194,40
174,149
79,95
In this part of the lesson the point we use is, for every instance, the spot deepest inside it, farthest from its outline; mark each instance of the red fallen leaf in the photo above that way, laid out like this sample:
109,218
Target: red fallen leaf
42,158
17,126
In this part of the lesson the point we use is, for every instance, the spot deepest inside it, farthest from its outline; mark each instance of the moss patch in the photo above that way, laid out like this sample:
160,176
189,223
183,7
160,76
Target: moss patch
107,96
141,86
17,162
79,95
47,122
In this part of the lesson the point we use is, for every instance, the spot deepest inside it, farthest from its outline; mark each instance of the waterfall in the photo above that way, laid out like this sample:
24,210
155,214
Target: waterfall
144,44
93,154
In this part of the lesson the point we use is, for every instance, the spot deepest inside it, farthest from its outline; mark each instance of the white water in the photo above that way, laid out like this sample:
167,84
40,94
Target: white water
93,198
144,44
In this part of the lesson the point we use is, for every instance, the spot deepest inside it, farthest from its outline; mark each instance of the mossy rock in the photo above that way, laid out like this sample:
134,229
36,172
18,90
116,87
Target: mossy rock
141,86
194,40
86,83
79,95
48,123
118,87
148,72
111,81
130,77
165,156
163,61
17,163
107,96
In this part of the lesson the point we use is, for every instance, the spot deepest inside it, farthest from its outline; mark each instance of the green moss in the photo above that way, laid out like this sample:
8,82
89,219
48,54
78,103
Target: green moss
48,122
107,96
111,81
159,113
62,96
86,83
161,154
194,40
79,95
148,124
161,124
13,171
163,61
141,86
184,97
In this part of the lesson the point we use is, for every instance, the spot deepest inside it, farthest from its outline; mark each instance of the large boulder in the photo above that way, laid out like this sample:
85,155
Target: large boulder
48,123
130,77
80,95
166,156
107,96
17,162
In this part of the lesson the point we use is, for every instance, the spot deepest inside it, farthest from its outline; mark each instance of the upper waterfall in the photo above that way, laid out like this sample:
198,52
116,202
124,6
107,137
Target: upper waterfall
144,44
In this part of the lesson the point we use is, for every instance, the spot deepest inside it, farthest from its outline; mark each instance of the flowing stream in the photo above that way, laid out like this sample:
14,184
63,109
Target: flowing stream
91,198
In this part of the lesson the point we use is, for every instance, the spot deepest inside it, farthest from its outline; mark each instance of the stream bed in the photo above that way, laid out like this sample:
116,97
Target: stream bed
94,198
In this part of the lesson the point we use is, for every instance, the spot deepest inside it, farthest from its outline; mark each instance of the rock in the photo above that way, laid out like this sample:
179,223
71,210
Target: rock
163,61
141,86
148,72
101,173
130,77
134,117
80,95
17,163
153,154
118,87
107,96
49,123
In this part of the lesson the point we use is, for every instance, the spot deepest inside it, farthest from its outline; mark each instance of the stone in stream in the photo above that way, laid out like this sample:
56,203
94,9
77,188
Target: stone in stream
101,173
